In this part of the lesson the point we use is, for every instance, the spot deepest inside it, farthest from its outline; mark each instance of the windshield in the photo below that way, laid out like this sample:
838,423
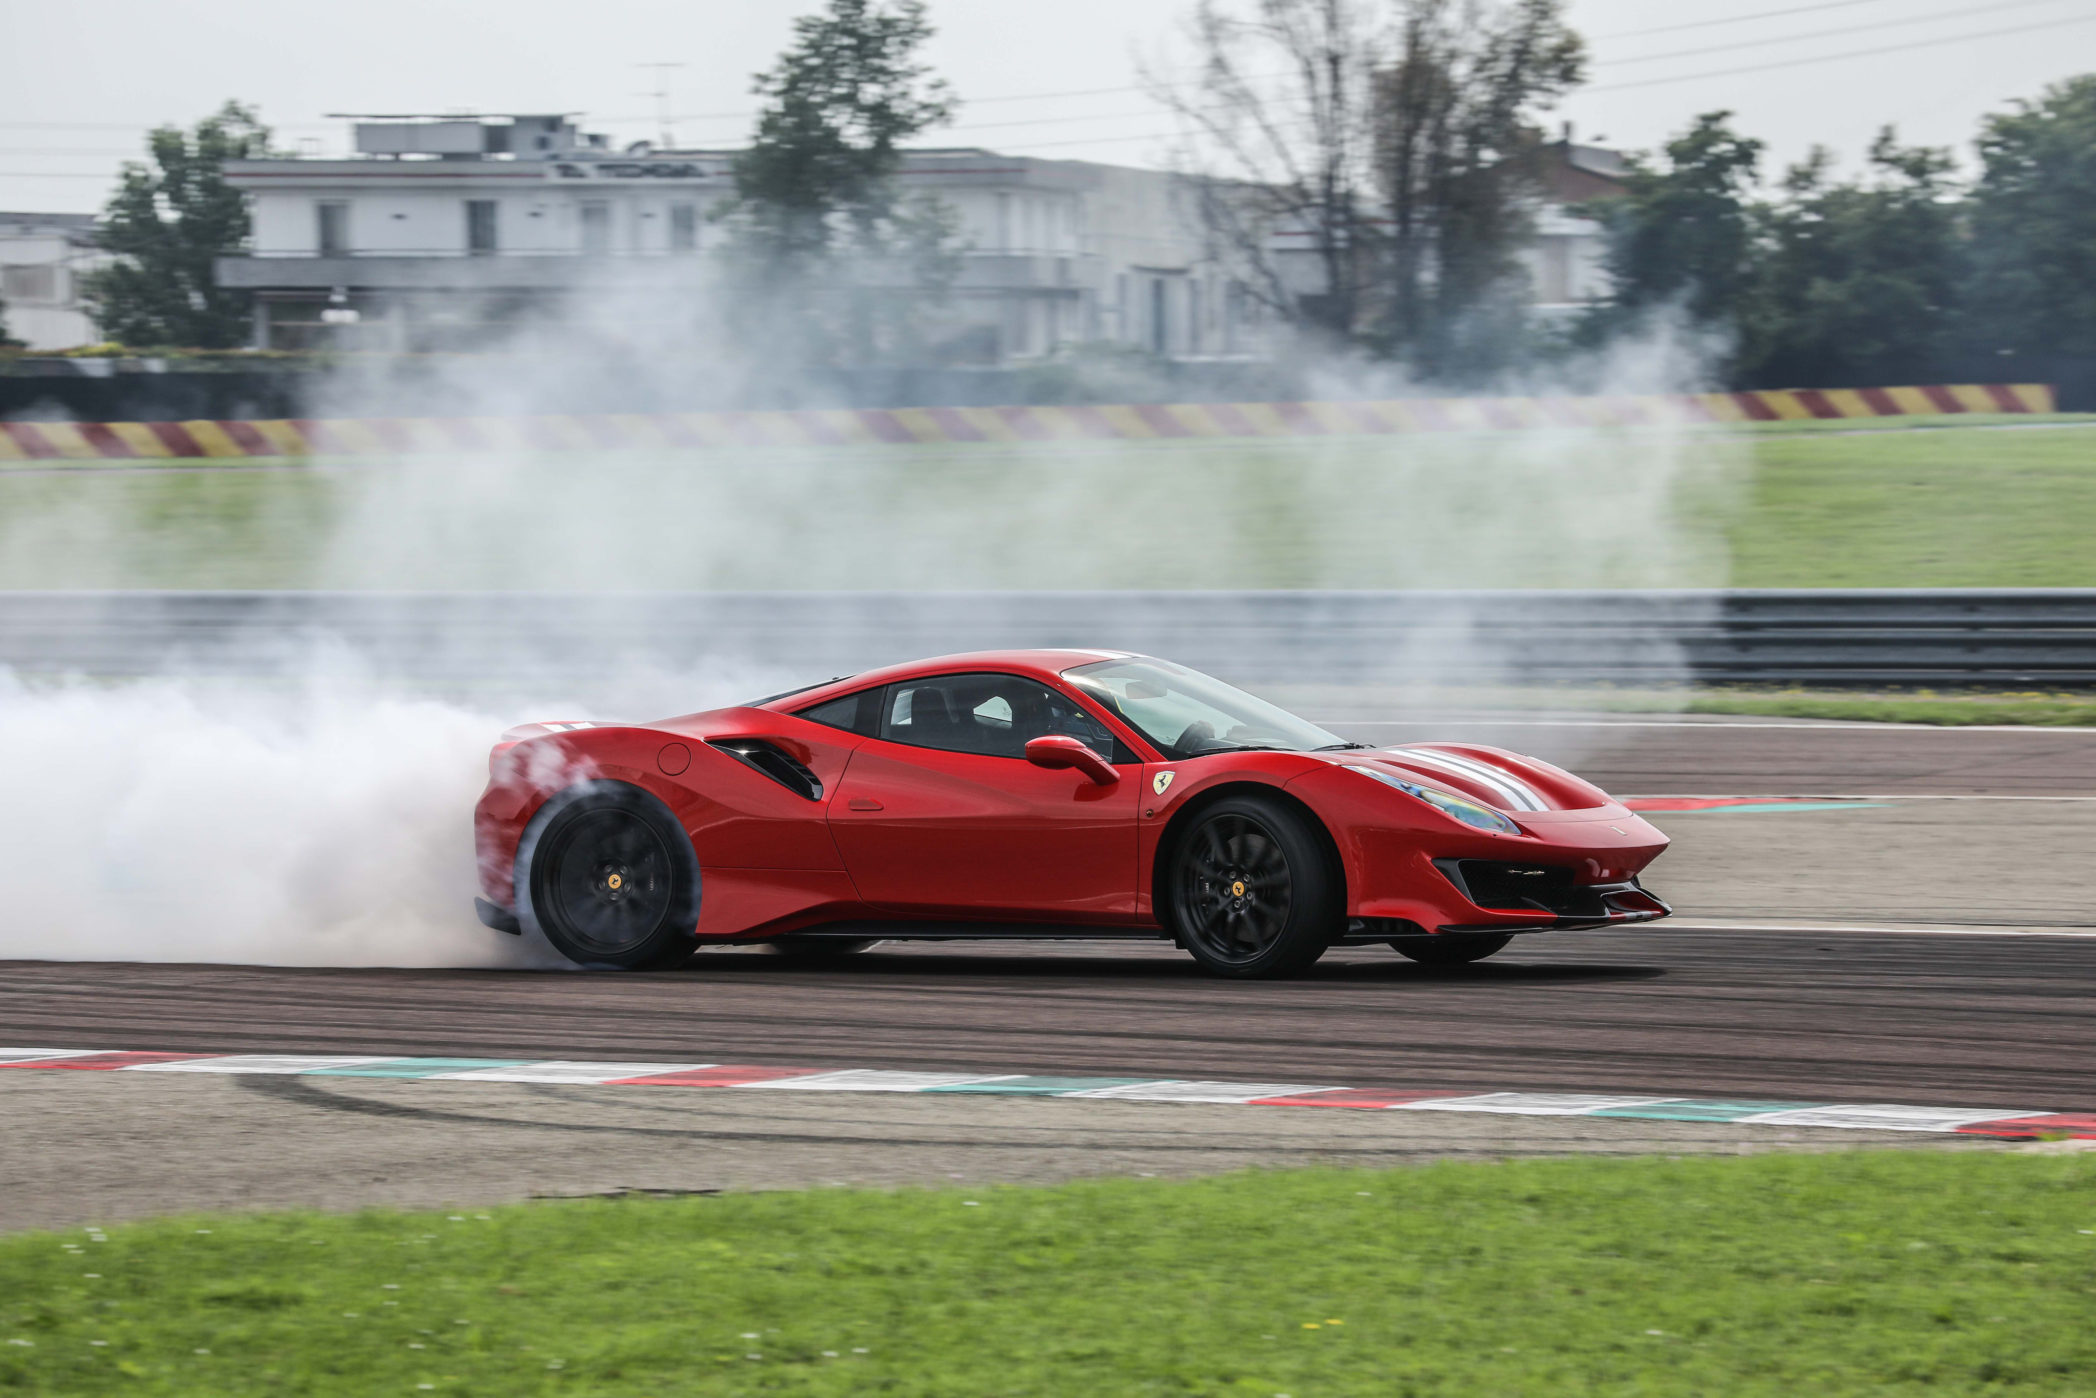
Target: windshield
1186,713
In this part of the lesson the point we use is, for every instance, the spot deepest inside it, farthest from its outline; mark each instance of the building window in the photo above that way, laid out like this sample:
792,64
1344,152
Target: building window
480,227
30,283
1123,331
596,227
1004,223
1160,342
684,227
332,217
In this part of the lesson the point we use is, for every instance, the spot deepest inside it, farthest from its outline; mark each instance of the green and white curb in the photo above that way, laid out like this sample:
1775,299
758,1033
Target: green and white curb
2000,1122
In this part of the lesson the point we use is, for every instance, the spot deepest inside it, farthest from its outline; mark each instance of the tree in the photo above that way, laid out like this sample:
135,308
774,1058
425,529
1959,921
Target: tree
167,223
1275,162
2034,225
1859,282
1459,154
1684,233
818,216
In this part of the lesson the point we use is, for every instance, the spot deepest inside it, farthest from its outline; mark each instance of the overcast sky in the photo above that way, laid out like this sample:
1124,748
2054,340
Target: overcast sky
81,79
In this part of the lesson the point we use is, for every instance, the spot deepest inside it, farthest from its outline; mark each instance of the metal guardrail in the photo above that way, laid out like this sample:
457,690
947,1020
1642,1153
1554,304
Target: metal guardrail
470,640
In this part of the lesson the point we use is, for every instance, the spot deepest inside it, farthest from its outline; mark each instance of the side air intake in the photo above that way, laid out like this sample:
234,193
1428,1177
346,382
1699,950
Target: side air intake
774,762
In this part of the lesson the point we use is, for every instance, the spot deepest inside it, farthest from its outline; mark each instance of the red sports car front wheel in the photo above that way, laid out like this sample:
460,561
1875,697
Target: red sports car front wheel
1253,892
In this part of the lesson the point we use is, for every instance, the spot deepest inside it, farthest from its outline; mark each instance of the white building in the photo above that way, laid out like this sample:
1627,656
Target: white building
439,231
42,260
1565,261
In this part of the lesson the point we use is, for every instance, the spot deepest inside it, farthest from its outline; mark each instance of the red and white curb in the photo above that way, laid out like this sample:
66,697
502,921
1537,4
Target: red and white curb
2004,1123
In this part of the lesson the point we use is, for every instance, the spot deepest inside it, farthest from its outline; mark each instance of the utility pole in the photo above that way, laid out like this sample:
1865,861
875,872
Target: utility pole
661,94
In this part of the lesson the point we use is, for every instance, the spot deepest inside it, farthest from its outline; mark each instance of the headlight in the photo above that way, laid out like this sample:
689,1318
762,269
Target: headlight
1447,802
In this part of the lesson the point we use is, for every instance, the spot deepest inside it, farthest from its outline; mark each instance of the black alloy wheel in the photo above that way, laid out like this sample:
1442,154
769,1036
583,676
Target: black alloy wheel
1252,890
606,874
1451,948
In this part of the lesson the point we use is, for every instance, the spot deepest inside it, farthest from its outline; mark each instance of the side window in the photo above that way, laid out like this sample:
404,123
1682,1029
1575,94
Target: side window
992,715
1060,714
839,713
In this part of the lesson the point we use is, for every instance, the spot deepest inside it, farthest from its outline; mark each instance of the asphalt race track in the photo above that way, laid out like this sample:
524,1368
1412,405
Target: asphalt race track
1906,949
1925,1016
1876,1017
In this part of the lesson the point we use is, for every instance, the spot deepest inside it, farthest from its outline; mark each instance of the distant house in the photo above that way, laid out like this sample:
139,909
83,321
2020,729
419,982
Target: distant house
447,232
1565,262
42,260
442,232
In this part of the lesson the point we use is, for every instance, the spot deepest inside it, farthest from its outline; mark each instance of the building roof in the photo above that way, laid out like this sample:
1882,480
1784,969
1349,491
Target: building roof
1575,174
79,229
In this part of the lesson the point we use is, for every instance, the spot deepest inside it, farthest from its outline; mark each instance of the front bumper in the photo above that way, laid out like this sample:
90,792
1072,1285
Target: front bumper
1523,897
498,917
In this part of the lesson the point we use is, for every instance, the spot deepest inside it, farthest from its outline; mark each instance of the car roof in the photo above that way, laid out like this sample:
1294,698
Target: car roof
1040,664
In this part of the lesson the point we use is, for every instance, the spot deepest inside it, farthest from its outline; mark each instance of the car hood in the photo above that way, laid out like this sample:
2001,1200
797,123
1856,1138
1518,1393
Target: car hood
1505,781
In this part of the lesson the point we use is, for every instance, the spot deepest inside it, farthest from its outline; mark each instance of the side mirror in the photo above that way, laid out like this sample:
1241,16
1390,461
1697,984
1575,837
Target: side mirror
1059,750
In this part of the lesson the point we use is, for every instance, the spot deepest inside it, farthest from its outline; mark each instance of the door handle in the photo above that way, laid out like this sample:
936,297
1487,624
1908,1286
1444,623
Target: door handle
863,803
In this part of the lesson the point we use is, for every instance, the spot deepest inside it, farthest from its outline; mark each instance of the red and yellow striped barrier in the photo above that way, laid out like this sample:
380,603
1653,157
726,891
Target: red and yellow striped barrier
105,441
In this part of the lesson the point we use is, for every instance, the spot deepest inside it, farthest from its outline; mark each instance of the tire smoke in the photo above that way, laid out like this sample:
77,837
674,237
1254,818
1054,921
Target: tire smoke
323,818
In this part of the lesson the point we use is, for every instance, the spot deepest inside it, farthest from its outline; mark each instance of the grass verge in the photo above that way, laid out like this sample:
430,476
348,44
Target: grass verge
1944,710
1886,1273
1947,709
1899,503
1957,708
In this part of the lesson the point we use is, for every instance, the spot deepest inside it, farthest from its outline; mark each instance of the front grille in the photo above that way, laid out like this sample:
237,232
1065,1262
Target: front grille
1520,887
1548,889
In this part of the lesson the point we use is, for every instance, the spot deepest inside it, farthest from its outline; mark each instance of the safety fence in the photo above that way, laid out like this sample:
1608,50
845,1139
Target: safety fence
299,437
468,641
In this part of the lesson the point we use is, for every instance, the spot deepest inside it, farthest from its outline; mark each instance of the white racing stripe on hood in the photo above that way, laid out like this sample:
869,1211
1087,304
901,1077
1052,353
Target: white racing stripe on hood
1514,794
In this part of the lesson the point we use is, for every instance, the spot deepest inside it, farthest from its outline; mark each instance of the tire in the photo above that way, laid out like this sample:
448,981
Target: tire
1451,949
607,875
821,951
1252,891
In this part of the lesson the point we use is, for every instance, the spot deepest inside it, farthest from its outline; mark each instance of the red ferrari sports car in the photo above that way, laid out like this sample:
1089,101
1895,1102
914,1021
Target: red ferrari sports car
1062,793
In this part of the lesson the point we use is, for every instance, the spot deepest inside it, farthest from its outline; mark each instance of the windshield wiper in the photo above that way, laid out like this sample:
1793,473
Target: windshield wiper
1338,747
1207,748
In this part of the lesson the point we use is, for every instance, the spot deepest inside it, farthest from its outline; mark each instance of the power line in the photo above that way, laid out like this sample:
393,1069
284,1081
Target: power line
1962,12
1852,53
1654,82
1122,116
998,99
1733,19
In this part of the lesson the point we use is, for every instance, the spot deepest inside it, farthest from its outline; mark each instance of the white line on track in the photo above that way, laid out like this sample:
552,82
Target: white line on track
1816,725
1836,929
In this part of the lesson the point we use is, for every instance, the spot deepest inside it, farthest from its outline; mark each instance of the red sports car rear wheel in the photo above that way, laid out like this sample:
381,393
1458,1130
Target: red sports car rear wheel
605,874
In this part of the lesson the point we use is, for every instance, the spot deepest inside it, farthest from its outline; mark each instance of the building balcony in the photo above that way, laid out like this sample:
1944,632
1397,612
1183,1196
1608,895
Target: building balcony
458,271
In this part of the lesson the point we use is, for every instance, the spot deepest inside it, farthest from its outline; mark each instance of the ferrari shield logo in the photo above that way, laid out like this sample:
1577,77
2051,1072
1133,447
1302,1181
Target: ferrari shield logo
1161,782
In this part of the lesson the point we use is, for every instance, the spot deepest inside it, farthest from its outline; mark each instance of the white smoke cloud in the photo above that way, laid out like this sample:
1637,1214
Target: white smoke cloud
319,817
172,820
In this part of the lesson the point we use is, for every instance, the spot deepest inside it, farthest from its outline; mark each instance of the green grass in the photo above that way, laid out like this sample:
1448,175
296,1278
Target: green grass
1952,508
1917,504
1880,1273
1945,710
